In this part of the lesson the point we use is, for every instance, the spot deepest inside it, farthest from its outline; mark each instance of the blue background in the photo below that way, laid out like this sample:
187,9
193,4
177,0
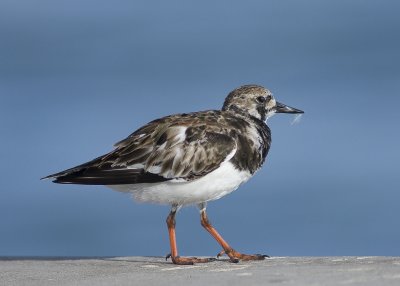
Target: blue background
77,76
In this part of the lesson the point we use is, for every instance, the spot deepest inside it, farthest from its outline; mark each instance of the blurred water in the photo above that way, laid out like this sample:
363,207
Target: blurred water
77,76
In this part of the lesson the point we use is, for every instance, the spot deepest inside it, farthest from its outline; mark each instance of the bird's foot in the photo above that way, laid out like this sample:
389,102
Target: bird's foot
188,260
235,256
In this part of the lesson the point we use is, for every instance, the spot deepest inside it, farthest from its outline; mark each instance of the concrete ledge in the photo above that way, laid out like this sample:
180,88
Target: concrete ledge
156,271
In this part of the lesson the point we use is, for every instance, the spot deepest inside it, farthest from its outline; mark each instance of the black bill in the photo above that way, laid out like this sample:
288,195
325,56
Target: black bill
282,108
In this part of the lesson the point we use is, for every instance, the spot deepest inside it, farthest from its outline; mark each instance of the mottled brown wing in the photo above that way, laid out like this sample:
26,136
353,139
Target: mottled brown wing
161,150
176,150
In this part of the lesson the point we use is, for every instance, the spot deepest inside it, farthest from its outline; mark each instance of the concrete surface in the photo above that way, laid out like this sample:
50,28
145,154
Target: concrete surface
156,271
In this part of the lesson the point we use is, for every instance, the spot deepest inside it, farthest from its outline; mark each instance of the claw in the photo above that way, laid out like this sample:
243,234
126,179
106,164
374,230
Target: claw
234,260
220,253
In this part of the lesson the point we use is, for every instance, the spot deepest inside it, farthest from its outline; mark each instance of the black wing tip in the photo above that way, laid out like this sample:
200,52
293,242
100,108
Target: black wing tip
55,179
56,176
105,177
47,177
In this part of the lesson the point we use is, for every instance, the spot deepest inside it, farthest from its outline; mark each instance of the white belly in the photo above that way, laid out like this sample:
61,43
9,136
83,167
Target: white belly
214,185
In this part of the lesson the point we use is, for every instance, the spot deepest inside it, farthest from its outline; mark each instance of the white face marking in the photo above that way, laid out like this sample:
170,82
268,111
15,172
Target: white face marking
270,107
253,112
271,104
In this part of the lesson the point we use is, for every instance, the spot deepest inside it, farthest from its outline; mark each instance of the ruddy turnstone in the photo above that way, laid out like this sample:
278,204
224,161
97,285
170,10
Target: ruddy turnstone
189,158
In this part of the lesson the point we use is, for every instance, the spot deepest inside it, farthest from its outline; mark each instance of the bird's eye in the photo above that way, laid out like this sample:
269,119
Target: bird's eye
261,99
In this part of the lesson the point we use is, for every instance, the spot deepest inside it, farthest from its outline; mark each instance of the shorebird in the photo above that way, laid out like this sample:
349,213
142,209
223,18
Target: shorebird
189,159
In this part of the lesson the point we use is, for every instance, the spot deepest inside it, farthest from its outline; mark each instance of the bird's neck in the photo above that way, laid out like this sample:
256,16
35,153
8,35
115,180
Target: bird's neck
244,114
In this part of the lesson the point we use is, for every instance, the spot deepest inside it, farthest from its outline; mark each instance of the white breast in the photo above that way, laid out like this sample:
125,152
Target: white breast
214,185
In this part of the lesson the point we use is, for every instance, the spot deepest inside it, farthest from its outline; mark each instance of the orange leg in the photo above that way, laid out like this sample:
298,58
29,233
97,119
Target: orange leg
233,254
176,259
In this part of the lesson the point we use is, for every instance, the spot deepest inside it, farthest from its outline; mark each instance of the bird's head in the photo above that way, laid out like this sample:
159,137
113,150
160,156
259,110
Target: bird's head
256,101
